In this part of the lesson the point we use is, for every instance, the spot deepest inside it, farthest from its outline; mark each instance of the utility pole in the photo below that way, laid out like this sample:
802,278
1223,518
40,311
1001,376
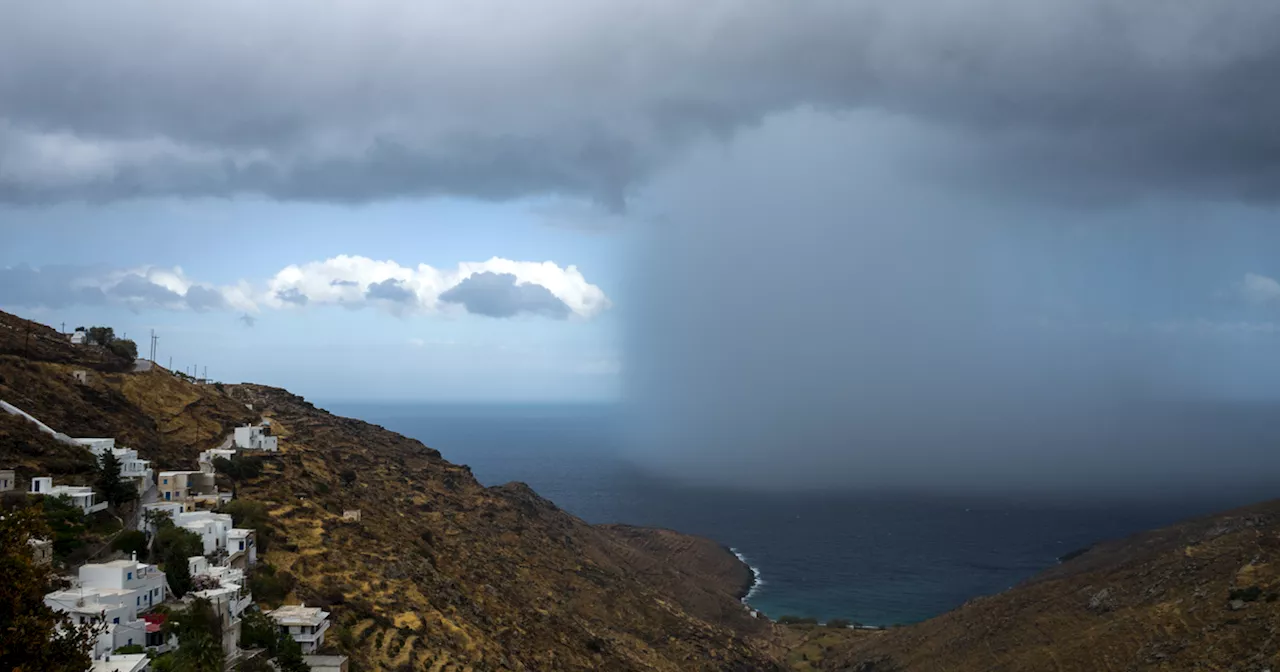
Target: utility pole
170,363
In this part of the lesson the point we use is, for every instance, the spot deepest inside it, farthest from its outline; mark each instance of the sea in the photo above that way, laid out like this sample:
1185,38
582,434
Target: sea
875,560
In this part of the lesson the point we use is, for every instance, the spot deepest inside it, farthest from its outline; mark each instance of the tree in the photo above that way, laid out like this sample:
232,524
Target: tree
34,637
174,545
199,652
66,522
252,515
289,654
124,348
102,335
113,487
258,631
131,541
199,630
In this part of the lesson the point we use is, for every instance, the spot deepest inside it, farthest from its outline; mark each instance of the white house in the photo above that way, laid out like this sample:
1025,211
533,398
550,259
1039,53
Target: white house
256,438
79,337
80,495
131,467
122,662
8,480
217,533
242,547
306,625
116,593
113,606
147,581
211,527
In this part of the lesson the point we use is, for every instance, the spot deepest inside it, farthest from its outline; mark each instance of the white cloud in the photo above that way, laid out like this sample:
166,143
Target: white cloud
1258,289
348,281
356,282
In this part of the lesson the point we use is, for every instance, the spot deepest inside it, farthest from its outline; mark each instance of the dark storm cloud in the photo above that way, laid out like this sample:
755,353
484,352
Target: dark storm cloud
503,99
809,317
294,296
50,287
498,295
390,290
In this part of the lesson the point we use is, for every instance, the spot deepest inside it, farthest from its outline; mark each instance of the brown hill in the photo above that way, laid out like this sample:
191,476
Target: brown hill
1201,595
443,573
440,573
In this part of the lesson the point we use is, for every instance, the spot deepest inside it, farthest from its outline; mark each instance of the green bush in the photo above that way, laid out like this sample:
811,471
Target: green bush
270,586
131,541
67,522
252,515
132,648
124,348
239,468
797,620
838,623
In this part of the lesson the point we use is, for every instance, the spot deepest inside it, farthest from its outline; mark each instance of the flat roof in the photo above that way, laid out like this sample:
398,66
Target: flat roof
296,613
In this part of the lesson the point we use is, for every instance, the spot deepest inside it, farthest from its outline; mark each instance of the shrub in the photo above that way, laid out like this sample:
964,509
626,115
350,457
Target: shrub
132,648
348,477
66,520
270,586
239,468
797,620
838,623
252,515
1250,594
131,541
124,348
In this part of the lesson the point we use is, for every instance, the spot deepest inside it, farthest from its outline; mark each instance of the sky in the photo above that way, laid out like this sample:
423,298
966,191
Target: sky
817,242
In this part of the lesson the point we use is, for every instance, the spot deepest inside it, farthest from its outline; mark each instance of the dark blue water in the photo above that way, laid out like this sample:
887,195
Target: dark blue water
876,560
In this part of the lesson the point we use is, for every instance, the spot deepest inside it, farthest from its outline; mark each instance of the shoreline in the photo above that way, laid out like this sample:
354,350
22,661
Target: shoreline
748,590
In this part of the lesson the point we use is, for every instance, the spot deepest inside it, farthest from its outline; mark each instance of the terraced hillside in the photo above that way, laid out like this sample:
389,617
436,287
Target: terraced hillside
443,573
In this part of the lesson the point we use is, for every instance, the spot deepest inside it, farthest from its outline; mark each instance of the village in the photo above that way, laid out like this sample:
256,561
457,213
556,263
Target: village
200,563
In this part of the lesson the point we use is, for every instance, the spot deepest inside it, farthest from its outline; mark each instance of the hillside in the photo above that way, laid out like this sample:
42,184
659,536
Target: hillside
440,573
1201,595
165,418
443,573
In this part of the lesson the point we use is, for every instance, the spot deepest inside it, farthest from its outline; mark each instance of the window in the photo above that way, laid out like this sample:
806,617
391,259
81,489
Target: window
116,620
166,481
139,601
130,577
242,545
